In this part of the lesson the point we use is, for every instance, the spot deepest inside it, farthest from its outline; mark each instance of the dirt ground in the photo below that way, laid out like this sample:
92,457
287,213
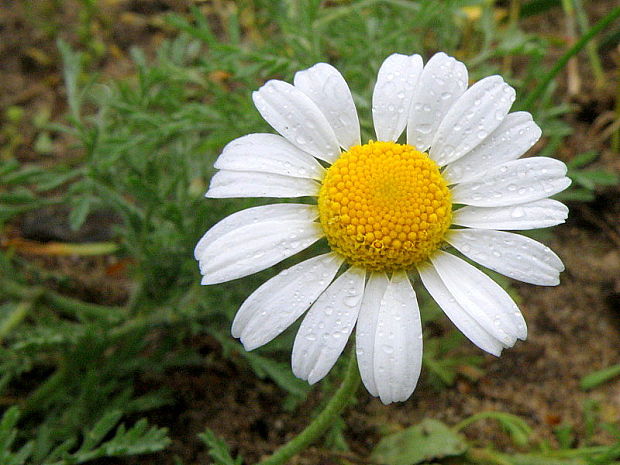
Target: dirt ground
574,328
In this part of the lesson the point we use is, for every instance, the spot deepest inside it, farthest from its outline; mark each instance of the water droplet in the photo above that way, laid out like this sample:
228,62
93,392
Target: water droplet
424,128
517,212
388,349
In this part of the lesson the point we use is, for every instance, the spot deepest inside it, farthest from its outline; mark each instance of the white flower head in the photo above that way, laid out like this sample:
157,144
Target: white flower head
387,211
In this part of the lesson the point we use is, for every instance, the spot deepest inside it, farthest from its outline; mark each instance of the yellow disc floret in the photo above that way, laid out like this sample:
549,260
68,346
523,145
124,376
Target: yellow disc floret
384,206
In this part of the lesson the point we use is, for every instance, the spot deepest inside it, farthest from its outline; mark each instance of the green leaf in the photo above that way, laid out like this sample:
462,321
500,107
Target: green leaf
565,436
264,367
79,212
101,428
43,143
71,70
140,439
535,7
427,441
583,159
279,372
599,377
575,195
518,429
8,167
25,175
218,449
8,434
601,177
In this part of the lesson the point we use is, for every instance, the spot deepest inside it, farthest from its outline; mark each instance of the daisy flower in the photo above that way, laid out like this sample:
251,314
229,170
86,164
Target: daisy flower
390,212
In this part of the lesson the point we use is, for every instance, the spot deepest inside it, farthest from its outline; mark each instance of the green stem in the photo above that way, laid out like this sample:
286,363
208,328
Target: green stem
323,421
561,63
591,48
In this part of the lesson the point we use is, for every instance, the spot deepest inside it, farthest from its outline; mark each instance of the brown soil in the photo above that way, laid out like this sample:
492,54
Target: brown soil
574,328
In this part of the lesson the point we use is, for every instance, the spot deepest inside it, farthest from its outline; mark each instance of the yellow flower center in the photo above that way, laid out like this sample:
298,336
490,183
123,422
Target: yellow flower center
384,206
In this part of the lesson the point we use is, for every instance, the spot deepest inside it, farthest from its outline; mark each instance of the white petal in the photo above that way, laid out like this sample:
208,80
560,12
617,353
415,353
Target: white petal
538,214
276,212
442,82
515,256
291,112
398,341
268,153
481,297
226,184
514,182
276,304
327,326
465,323
391,98
471,119
366,329
330,92
254,239
515,136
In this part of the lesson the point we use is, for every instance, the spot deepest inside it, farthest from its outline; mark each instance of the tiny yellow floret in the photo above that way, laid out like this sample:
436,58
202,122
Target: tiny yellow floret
384,206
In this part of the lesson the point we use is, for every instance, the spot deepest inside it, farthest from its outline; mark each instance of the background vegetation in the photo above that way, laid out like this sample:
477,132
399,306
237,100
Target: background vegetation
113,114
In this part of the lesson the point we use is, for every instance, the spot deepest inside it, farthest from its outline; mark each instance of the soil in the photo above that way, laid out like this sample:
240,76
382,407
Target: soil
574,328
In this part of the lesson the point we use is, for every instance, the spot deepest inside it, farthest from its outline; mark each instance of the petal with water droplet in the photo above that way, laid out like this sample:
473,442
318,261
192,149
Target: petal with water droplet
254,239
512,255
329,91
366,329
392,94
442,82
538,214
294,115
268,153
481,297
227,184
276,304
461,319
513,183
398,341
277,212
327,326
515,136
471,119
